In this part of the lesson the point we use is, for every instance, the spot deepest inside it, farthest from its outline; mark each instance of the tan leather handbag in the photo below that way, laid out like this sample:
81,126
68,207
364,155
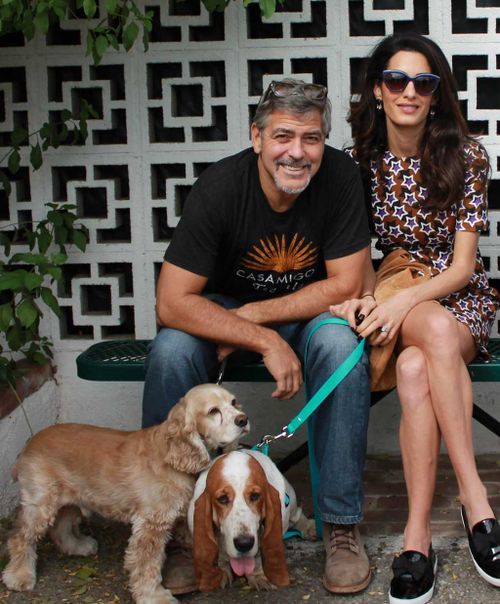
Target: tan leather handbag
396,272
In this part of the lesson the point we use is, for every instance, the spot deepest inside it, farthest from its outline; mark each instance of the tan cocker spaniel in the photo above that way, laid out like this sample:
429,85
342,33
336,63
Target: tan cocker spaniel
145,478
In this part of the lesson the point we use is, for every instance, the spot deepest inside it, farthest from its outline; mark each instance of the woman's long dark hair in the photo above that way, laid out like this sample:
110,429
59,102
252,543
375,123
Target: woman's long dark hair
441,148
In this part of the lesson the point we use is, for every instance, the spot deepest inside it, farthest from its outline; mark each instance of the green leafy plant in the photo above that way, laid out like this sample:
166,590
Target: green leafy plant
119,25
26,277
267,7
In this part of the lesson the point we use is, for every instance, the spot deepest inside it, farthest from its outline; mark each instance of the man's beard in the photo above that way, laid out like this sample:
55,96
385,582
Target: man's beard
293,164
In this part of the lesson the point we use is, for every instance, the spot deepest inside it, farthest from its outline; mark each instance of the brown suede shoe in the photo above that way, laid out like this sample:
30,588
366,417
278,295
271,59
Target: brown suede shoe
347,569
178,572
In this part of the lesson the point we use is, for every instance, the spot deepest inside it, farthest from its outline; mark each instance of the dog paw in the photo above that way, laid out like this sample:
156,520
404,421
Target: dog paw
310,530
86,547
22,580
260,582
159,596
226,578
82,546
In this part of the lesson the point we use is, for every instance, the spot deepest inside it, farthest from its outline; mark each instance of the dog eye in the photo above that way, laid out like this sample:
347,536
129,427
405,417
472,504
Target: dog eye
233,402
223,499
213,411
254,496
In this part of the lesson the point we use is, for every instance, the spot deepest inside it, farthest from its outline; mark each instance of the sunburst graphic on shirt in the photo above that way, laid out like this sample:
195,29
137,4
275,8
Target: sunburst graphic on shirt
277,256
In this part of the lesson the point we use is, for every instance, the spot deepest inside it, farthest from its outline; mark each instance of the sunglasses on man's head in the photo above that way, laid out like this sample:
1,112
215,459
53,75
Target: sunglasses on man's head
313,92
396,81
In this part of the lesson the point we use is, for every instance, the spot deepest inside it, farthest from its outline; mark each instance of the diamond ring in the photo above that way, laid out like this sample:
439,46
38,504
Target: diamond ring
384,328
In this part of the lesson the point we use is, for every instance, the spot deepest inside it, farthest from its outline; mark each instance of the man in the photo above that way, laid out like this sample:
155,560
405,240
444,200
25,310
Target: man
268,239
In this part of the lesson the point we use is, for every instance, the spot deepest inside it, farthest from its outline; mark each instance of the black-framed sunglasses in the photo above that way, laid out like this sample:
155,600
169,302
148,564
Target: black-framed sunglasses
313,92
397,80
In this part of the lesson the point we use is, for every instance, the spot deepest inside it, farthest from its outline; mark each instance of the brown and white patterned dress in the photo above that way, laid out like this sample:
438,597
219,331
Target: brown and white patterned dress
401,221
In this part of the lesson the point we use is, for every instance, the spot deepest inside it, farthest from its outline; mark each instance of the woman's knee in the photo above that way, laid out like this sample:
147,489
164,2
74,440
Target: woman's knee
411,373
440,332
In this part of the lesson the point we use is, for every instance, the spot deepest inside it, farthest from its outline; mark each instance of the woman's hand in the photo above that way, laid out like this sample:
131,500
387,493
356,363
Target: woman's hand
383,323
354,310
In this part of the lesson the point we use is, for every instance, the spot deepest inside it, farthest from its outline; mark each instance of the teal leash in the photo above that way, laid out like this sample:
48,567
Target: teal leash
319,396
313,403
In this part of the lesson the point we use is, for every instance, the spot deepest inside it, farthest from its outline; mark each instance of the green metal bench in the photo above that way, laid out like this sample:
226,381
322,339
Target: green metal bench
123,361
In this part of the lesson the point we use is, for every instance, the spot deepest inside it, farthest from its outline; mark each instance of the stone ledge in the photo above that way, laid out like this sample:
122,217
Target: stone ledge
30,382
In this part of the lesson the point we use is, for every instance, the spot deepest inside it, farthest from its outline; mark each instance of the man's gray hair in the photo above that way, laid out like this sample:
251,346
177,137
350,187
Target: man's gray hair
294,102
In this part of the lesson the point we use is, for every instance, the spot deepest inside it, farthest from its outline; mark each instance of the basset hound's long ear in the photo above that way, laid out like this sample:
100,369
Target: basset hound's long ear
205,546
272,547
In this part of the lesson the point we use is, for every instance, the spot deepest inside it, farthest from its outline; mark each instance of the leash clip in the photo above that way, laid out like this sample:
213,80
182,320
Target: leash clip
267,439
221,372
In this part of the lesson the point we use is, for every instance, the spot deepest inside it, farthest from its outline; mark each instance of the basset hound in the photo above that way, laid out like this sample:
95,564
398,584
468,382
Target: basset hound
240,510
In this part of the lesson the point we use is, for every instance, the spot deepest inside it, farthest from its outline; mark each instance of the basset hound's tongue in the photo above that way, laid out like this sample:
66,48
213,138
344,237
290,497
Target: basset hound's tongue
243,566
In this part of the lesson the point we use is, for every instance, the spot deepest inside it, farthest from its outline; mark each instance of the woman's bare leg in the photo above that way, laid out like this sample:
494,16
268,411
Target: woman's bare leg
419,441
447,345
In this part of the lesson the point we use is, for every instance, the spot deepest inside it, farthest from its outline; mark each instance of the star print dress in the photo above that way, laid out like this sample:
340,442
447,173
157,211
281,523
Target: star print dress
401,221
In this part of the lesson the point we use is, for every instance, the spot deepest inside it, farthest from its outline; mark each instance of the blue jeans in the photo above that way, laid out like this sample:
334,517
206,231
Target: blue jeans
178,361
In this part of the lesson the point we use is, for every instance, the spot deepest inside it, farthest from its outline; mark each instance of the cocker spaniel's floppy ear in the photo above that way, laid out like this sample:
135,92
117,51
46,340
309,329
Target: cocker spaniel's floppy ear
205,546
183,448
272,547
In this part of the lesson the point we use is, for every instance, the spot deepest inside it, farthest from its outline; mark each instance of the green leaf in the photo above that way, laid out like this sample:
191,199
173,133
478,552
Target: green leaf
32,280
130,34
66,115
50,300
5,241
111,6
42,21
6,315
61,235
14,161
80,240
58,258
85,572
89,8
18,137
90,44
267,8
101,45
44,239
113,40
27,312
55,272
16,337
36,158
40,359
29,258
12,280
55,217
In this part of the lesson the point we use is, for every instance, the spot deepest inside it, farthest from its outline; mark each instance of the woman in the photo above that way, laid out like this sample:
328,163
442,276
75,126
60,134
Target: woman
427,178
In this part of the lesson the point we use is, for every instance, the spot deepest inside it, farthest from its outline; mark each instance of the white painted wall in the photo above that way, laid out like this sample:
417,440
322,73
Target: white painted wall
42,409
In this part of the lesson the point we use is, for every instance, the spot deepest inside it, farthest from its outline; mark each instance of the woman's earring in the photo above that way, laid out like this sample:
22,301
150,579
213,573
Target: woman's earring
379,105
432,113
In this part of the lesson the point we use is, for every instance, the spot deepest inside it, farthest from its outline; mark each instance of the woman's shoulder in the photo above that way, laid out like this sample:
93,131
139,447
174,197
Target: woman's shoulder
476,158
474,150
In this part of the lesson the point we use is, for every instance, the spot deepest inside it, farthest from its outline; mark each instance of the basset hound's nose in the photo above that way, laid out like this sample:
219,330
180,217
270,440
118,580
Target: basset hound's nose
244,543
241,420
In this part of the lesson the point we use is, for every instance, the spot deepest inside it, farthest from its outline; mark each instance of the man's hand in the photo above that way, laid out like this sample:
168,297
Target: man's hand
283,364
223,351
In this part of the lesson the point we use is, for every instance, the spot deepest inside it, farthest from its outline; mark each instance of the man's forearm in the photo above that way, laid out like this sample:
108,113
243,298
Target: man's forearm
206,319
301,305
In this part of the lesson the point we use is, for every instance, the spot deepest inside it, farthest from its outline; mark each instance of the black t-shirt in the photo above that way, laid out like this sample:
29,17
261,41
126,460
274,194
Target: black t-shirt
229,233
